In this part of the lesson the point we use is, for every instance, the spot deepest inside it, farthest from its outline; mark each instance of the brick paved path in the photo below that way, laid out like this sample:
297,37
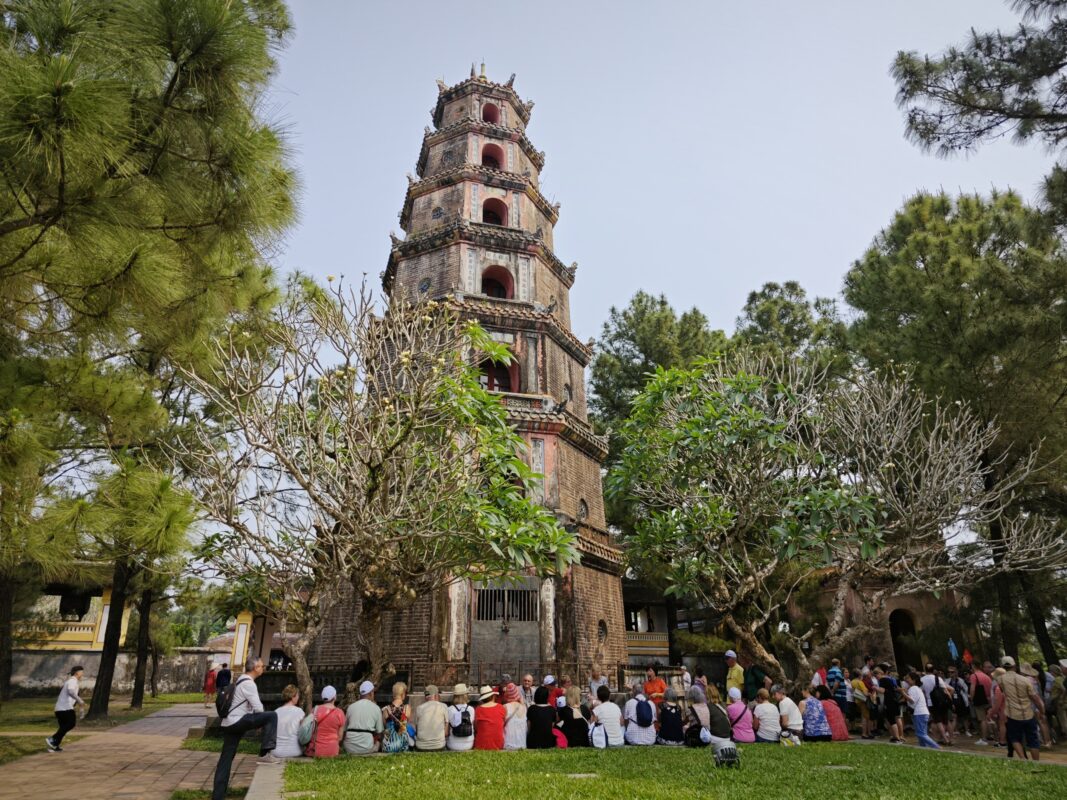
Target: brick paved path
140,760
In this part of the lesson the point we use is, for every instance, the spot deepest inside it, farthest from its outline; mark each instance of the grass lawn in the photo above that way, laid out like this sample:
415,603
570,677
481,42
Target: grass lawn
26,714
12,747
838,771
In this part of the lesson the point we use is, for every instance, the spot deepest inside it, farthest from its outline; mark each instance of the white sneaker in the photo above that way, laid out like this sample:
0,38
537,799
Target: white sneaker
982,742
270,758
51,745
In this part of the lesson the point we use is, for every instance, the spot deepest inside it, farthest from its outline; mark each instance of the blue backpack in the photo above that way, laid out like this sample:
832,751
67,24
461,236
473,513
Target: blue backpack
645,717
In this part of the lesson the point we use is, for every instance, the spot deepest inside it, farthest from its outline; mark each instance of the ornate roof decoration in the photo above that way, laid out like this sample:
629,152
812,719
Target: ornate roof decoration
537,413
488,176
481,85
457,228
472,125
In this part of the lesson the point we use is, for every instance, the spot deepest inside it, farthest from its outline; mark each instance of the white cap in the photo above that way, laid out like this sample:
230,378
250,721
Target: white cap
731,654
549,680
735,693
328,693
365,688
561,702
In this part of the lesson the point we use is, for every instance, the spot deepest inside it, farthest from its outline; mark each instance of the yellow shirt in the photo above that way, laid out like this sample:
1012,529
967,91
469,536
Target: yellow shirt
735,676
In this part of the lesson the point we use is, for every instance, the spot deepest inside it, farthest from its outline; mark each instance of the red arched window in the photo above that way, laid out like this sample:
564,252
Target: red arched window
495,212
497,282
493,156
499,377
490,113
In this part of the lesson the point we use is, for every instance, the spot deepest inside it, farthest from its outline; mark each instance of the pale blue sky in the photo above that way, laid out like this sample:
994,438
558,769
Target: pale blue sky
698,148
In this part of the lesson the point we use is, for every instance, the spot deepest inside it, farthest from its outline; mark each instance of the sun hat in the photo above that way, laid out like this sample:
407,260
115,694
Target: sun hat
431,690
735,693
486,692
328,693
512,693
1007,661
460,688
730,654
549,680
365,688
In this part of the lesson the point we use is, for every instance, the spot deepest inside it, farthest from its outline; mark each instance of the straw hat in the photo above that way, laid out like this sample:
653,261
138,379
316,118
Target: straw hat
460,688
486,693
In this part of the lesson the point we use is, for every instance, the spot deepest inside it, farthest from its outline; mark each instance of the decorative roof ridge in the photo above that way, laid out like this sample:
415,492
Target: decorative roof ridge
469,123
427,184
474,83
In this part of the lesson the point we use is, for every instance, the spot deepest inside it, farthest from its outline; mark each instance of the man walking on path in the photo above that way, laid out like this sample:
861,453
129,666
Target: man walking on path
65,715
1019,701
245,713
222,680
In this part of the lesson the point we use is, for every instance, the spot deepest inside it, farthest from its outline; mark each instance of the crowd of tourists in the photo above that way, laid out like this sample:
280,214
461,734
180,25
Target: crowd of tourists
1007,706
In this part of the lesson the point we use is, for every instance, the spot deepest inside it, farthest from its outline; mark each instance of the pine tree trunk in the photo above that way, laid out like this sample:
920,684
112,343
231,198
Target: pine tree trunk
7,633
105,676
145,608
1037,619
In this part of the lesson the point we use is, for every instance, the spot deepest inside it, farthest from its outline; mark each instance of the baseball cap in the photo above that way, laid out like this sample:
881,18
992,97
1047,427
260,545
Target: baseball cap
549,680
735,693
365,688
329,693
431,690
731,654
1007,661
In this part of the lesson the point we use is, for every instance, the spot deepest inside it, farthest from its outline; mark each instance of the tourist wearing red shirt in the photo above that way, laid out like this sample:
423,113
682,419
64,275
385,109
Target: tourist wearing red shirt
489,720
554,692
329,727
655,687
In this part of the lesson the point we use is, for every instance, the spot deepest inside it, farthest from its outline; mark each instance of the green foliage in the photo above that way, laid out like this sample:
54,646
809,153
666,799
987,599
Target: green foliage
666,773
727,485
968,293
781,317
700,643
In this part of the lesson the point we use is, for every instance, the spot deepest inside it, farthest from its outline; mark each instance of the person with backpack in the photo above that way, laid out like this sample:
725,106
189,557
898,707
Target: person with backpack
223,679
938,702
330,722
240,710
639,717
363,723
290,716
395,718
606,730
671,730
981,686
460,720
961,703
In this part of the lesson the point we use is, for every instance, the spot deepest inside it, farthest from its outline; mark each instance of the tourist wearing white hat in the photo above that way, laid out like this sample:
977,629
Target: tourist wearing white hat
329,727
363,722
460,720
554,692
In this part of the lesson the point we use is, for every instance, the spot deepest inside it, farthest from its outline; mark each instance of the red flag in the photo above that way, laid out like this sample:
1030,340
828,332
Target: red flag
967,657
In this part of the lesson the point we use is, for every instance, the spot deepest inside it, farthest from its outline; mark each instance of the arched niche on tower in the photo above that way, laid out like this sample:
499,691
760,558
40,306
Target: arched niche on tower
498,282
493,156
499,377
491,113
495,212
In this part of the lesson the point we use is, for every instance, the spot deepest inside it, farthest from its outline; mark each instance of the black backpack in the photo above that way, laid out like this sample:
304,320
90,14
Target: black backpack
939,697
224,699
979,698
465,729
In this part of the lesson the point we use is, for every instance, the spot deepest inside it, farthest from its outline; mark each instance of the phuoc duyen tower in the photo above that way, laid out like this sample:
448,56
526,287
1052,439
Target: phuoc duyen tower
478,232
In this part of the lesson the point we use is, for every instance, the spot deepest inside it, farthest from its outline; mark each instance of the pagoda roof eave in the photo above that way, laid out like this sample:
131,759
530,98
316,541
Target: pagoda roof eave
501,91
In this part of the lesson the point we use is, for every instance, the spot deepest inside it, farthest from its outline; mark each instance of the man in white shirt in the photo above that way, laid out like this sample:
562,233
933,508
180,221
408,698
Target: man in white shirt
608,716
245,713
65,703
635,732
938,713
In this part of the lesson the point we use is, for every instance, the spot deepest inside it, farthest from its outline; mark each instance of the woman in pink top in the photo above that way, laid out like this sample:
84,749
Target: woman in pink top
329,727
740,718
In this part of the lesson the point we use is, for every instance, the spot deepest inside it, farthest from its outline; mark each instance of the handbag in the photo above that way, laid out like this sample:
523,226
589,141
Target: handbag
561,739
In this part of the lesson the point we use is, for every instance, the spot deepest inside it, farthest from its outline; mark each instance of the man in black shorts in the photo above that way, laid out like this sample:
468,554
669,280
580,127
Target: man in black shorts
887,688
1020,698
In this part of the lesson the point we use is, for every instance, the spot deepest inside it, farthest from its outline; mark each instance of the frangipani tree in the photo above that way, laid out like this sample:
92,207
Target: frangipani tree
360,453
753,474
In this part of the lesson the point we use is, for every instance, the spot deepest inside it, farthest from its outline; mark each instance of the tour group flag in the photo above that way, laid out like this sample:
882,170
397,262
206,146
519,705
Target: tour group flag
952,651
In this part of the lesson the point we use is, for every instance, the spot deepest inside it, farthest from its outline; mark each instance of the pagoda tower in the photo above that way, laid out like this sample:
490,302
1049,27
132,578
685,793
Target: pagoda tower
479,233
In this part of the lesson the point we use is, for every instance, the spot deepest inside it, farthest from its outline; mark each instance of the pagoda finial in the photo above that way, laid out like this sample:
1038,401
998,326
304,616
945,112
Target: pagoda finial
441,85
483,72
472,70
511,81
